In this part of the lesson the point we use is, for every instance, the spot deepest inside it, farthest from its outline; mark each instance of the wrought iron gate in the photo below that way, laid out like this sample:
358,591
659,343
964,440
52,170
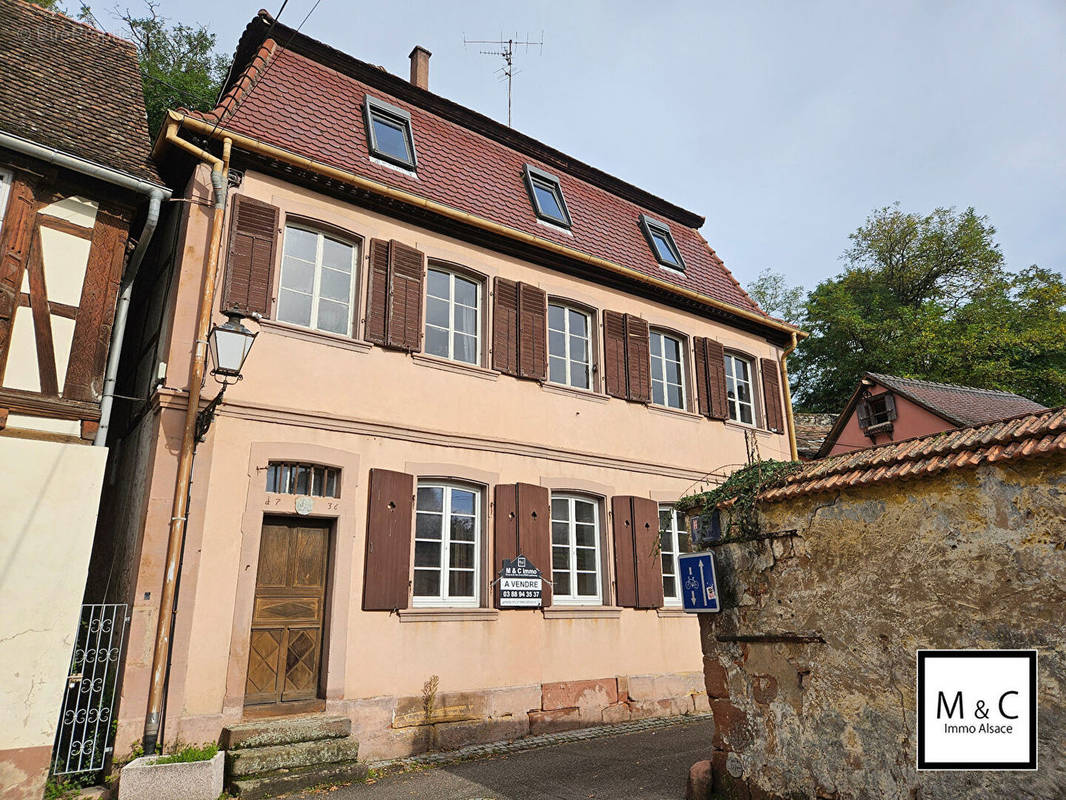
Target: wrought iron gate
83,738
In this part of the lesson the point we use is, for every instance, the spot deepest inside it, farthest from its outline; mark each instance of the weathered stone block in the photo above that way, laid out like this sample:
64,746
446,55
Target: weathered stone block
453,735
193,780
564,719
623,688
658,687
699,781
715,677
764,688
397,743
517,700
268,732
254,760
701,704
447,707
666,707
619,712
570,694
731,728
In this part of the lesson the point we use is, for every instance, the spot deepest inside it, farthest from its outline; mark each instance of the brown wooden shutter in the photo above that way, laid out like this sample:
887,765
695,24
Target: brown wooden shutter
719,402
638,359
614,354
771,394
403,329
505,326
17,234
253,237
523,527
638,568
387,568
532,333
703,387
377,292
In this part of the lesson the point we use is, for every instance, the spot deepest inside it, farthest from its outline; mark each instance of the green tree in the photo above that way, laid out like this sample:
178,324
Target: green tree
777,297
927,296
179,65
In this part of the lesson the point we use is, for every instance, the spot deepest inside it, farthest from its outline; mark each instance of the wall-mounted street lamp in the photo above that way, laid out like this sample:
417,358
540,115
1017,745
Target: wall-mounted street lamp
229,345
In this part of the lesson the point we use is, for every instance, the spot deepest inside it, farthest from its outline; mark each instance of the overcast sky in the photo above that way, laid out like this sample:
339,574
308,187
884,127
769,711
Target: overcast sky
784,123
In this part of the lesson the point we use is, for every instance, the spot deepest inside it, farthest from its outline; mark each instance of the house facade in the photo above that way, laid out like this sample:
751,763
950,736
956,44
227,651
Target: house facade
470,347
887,408
78,202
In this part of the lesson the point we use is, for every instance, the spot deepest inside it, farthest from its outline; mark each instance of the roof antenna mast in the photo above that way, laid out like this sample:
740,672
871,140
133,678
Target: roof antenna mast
505,49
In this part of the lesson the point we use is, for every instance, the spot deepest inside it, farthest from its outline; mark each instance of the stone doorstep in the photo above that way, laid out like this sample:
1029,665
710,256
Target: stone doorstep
257,760
281,781
285,730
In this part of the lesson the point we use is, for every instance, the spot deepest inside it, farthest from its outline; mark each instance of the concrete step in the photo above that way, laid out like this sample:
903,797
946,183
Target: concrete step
255,760
281,781
285,730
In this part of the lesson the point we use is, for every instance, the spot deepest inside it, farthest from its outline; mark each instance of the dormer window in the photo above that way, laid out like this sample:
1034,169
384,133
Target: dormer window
388,133
662,243
876,413
547,196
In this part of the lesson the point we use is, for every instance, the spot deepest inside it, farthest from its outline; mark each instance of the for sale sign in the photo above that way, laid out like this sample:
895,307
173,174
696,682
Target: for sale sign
520,583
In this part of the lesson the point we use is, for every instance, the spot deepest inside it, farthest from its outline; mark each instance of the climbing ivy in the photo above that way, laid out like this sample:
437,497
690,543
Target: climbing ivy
737,497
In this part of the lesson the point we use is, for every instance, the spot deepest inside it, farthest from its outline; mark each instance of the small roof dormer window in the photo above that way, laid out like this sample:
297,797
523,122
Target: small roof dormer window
662,243
388,133
547,196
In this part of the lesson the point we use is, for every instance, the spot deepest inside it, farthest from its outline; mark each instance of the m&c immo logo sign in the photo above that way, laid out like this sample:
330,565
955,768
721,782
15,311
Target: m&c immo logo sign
976,709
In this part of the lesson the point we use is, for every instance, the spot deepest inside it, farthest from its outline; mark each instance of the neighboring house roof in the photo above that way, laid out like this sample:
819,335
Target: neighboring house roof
308,98
1026,436
68,86
811,430
958,405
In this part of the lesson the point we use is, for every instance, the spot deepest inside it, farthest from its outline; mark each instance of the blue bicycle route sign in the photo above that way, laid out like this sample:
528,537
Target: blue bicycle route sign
699,588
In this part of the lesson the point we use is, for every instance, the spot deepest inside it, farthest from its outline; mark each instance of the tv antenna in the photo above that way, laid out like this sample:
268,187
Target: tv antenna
505,49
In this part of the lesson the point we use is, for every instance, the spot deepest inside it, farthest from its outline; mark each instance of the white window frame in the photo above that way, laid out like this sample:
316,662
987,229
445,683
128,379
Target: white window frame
573,599
353,288
6,179
734,402
443,599
567,308
658,368
673,535
452,275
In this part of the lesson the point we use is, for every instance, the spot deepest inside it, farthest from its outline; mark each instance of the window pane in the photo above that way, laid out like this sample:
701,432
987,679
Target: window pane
745,414
584,511
390,138
672,348
463,529
556,317
335,285
560,509
436,341
462,555
657,395
427,554
337,254
666,253
586,558
668,564
427,526
578,323
461,584
331,483
656,344
437,284
427,583
294,307
303,478
673,396
465,348
463,501
585,535
579,376
298,275
430,498
272,478
466,319
301,244
586,584
666,543
437,312
556,370
560,558
556,343
465,292
577,349
673,372
744,392
560,533
332,316
664,519
561,581
546,199
318,481
669,586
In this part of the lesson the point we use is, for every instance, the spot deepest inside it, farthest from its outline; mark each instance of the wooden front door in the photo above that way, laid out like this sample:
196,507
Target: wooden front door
285,650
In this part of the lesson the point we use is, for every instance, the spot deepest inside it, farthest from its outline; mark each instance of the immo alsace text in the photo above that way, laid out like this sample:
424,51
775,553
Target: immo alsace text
984,727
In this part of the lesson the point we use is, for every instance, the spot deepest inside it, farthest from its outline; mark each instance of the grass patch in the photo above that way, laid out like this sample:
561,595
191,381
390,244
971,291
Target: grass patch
204,752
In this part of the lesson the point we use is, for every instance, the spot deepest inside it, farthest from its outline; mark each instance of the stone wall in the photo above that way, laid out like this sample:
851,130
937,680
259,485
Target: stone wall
389,727
810,669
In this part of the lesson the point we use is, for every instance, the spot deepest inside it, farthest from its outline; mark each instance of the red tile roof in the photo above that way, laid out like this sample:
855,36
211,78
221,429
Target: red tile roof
308,99
961,405
66,85
1027,436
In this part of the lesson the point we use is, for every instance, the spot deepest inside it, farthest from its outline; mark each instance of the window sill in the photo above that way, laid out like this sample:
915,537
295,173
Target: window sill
555,226
459,367
426,614
740,426
674,412
671,612
410,172
309,335
581,612
569,391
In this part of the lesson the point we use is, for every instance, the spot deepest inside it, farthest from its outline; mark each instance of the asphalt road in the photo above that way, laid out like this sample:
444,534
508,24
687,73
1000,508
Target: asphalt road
647,765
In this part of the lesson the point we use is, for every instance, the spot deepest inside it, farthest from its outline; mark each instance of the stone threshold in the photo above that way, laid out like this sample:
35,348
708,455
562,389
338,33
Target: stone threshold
473,752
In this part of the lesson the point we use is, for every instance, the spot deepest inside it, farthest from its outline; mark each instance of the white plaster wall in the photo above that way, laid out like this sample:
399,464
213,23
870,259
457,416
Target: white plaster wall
48,502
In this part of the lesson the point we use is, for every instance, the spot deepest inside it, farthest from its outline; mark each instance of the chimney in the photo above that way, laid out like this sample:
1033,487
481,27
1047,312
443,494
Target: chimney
420,66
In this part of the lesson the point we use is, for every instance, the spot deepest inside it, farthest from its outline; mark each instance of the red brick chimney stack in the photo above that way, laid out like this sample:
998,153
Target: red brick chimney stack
420,66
